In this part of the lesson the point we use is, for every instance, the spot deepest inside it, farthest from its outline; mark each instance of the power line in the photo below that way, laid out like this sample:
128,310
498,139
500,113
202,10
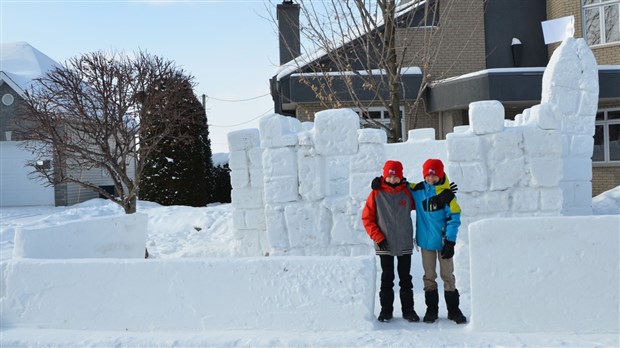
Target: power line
237,100
242,123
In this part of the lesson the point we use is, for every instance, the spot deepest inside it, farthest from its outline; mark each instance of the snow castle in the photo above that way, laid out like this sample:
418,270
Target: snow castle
298,188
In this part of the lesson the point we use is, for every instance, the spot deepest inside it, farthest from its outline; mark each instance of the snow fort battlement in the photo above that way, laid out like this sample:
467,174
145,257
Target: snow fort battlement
299,188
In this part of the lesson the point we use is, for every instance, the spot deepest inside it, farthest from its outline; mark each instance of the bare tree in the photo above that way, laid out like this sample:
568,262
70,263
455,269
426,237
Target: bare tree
363,48
96,113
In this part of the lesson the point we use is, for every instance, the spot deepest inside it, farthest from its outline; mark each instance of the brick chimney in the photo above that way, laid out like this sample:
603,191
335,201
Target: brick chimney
288,30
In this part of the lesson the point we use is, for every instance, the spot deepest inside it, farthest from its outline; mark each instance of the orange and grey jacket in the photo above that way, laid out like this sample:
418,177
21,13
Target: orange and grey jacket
387,215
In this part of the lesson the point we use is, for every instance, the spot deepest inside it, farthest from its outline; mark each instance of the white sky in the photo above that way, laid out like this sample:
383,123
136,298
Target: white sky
230,47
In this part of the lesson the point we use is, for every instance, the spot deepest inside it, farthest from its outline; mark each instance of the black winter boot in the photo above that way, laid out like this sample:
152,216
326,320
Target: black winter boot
432,306
386,298
452,302
406,300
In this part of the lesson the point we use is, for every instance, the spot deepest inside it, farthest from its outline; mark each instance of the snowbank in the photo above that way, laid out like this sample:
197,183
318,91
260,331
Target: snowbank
564,268
292,294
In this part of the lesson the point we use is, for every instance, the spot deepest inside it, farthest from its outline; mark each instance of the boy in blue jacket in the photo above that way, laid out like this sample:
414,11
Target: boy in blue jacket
438,217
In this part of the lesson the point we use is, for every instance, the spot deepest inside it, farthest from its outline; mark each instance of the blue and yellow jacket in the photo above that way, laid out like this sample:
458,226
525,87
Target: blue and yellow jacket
438,215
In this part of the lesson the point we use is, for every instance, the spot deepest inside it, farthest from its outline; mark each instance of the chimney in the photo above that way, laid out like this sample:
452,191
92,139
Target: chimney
288,31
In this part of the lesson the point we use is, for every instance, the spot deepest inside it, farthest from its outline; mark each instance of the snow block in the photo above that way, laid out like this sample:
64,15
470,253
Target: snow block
239,178
581,146
275,293
505,145
371,136
119,236
546,116
524,200
337,175
541,287
243,140
276,227
281,189
506,174
335,132
545,172
304,228
247,198
279,131
280,162
421,134
473,175
464,147
538,142
486,116
359,185
238,160
370,159
311,176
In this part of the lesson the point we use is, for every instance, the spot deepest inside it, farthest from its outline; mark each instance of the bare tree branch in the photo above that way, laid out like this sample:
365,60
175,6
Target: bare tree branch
348,43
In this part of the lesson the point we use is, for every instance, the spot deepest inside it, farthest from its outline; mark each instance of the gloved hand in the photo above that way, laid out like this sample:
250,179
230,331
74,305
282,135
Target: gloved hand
383,245
453,187
376,183
448,250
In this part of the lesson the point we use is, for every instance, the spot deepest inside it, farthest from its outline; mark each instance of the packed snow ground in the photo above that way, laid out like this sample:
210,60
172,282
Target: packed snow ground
184,232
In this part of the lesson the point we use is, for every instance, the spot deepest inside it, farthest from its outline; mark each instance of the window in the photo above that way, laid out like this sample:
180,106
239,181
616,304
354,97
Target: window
378,114
607,137
601,22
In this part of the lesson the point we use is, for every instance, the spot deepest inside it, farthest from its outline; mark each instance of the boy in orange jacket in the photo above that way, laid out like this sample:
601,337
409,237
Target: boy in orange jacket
387,220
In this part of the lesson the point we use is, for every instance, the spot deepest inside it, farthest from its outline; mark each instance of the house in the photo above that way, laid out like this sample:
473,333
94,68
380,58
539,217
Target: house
490,50
21,64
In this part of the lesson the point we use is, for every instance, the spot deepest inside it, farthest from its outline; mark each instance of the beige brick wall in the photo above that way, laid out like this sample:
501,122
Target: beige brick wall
607,55
457,44
604,178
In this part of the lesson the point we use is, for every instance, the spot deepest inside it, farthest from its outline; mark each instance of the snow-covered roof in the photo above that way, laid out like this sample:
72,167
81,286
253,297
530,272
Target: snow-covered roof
20,64
408,70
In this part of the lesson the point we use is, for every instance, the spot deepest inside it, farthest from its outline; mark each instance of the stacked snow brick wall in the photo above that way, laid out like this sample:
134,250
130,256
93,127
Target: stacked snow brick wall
504,169
316,176
315,180
571,82
246,179
308,206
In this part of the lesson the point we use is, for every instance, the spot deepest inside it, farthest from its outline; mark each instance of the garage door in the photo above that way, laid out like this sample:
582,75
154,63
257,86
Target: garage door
16,188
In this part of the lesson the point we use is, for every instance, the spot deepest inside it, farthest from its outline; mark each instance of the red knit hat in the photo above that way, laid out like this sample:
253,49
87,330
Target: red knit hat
393,168
433,166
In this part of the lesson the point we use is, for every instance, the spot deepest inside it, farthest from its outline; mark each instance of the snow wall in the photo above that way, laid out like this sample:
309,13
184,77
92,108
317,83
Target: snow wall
121,236
299,188
566,270
292,294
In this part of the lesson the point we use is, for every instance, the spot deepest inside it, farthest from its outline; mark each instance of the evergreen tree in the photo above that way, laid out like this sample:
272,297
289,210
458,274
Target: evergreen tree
178,172
221,180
